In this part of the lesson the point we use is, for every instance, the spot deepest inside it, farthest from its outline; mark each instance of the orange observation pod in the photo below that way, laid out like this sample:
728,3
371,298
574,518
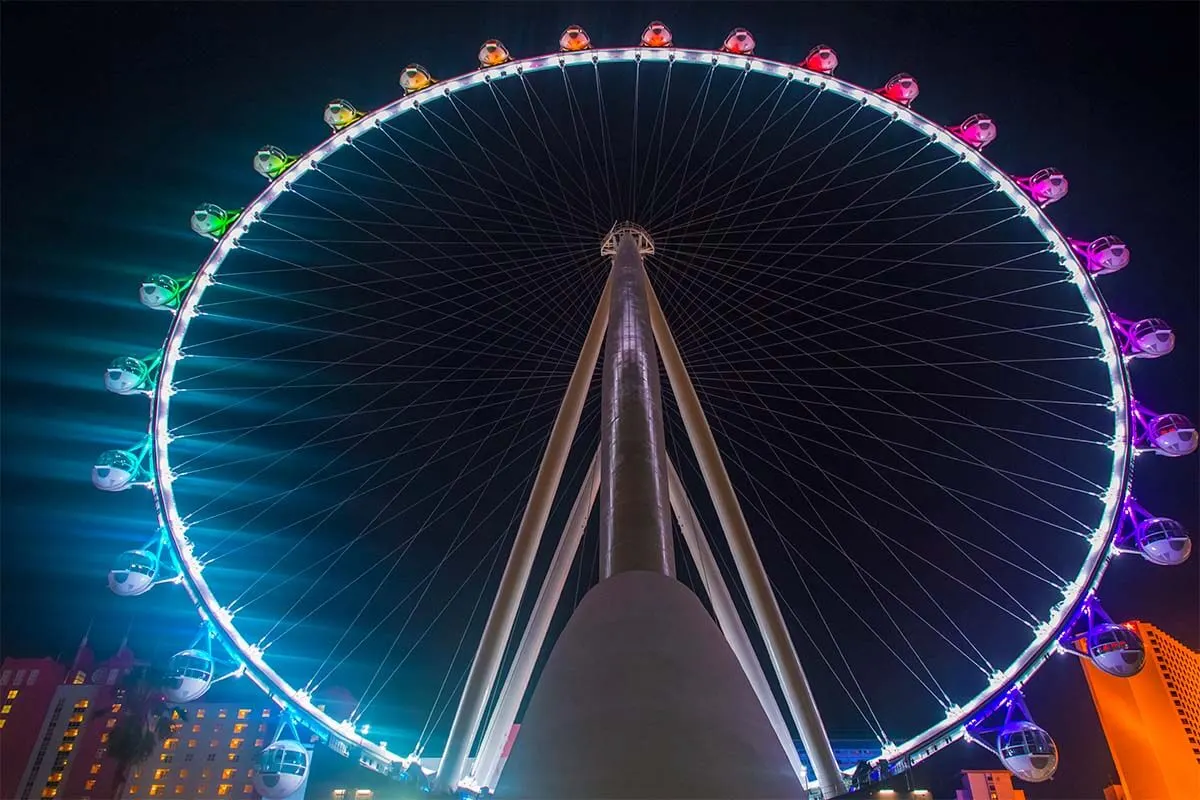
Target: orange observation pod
415,78
656,35
574,39
739,42
493,53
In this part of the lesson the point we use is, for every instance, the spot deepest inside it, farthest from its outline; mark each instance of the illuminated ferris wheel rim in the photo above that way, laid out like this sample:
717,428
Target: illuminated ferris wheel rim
250,657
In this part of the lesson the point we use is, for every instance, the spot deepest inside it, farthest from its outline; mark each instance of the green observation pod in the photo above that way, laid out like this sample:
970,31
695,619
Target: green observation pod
271,162
159,291
213,221
128,375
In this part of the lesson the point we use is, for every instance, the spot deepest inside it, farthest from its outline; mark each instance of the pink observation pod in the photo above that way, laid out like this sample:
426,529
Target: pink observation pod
901,88
1102,256
493,54
657,35
821,58
739,42
574,39
977,130
1045,186
1146,338
1170,435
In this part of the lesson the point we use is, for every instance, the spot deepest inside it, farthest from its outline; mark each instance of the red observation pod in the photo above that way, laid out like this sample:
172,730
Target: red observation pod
415,78
574,39
739,42
493,54
977,130
822,59
656,35
901,88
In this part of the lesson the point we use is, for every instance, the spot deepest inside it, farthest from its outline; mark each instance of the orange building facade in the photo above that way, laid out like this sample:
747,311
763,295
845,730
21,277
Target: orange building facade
1152,720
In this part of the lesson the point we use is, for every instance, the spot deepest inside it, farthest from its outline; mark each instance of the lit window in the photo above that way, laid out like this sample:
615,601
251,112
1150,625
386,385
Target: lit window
137,772
79,678
159,774
170,744
206,772
234,757
259,742
202,790
112,723
133,790
222,713
89,785
223,789
266,713
71,733
48,792
262,728
191,743
338,794
248,788
157,790
196,728
243,713
200,713
95,770
239,728
12,694
166,758
227,774
7,707
66,747
2,721
214,744
179,788
363,794
234,744
104,738
116,709
82,705
183,773
55,777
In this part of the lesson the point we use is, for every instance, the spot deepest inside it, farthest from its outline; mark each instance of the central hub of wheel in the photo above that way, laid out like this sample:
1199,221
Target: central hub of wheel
608,245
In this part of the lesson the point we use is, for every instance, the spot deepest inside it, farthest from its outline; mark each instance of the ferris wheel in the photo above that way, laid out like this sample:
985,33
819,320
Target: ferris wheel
373,397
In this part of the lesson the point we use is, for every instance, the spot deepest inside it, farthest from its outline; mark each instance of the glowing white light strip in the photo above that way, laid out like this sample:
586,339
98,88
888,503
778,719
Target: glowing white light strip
918,747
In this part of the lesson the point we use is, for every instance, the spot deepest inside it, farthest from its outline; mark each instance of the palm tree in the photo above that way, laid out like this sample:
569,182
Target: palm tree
145,720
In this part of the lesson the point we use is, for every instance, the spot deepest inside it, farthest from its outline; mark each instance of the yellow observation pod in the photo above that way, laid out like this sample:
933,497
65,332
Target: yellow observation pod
493,54
339,114
574,39
657,35
415,78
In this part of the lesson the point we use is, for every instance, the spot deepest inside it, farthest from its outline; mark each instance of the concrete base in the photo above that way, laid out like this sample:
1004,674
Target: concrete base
643,699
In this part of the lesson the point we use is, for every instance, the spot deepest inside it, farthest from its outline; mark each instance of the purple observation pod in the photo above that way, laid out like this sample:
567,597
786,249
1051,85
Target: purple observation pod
1159,540
977,130
1166,434
901,88
1145,338
1102,256
1045,186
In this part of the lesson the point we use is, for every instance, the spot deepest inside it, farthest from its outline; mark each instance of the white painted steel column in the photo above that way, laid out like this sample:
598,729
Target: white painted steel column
487,760
728,618
500,621
745,556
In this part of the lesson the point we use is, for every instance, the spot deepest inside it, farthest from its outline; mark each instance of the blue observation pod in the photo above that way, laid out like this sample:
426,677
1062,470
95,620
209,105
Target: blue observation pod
189,674
271,162
133,573
282,769
1027,751
116,470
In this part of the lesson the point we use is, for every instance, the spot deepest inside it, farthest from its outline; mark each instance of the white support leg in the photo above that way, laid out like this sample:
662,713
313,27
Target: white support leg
500,621
487,761
728,618
750,568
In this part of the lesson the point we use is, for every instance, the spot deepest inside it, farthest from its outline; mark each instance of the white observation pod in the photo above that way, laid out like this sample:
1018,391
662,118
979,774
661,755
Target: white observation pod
133,573
115,470
1163,541
127,375
189,674
1152,338
1102,256
1027,751
282,769
1116,649
1173,435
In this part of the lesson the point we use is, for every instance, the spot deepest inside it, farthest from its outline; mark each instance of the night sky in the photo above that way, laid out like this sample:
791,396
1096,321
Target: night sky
121,117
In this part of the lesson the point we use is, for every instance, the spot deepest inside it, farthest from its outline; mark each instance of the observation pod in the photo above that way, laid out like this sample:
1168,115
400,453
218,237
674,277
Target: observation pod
1116,649
493,54
1027,751
657,35
340,114
129,375
901,88
739,42
117,470
1147,338
282,769
270,161
1045,186
415,78
133,573
189,674
574,39
1162,541
1101,256
213,221
1172,435
162,292
821,59
977,130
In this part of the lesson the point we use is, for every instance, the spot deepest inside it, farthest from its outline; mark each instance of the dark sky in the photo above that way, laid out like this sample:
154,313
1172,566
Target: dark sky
120,117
